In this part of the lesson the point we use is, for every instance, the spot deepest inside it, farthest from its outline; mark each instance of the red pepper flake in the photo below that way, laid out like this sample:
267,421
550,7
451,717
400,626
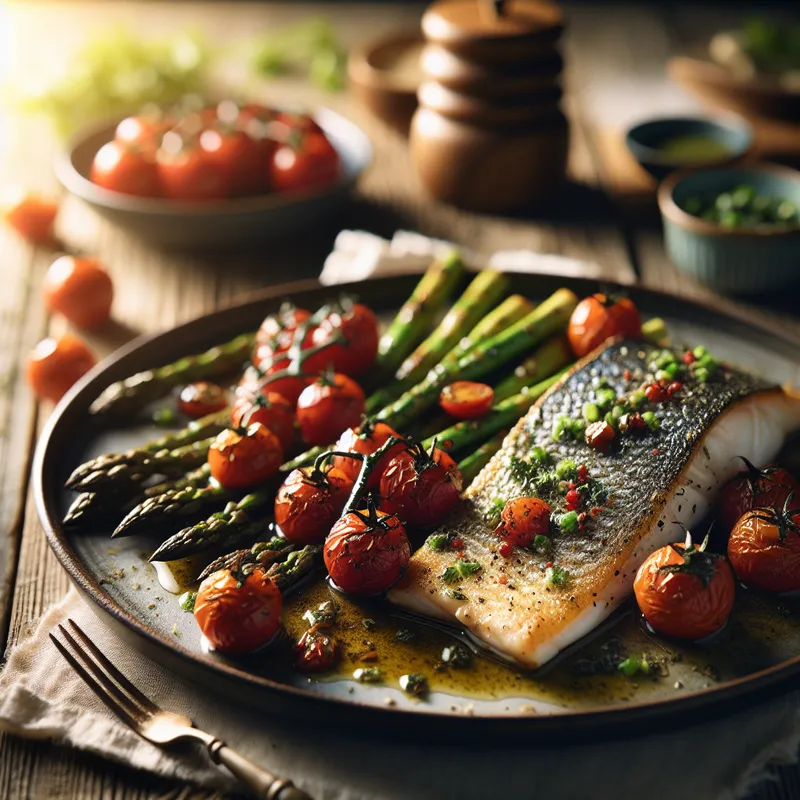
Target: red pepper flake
548,565
583,473
458,543
582,517
655,451
503,579
595,511
506,549
627,374
572,486
688,357
461,554
573,498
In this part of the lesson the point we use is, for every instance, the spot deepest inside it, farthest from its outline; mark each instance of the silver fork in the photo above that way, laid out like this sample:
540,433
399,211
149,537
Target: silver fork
156,725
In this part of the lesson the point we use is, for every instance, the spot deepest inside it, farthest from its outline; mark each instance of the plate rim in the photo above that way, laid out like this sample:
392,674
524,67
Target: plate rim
618,720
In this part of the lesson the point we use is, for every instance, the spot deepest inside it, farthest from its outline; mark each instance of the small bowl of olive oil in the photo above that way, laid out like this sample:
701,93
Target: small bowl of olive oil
664,145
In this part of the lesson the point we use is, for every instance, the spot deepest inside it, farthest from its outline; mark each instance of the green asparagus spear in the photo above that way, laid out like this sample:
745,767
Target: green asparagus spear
233,526
128,397
472,464
196,478
546,319
500,416
297,565
104,507
261,553
174,506
119,469
416,316
197,429
552,355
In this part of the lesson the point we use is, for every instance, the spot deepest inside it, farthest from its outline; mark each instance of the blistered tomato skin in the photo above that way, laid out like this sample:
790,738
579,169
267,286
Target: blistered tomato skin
239,460
681,605
365,442
271,409
328,406
767,487
597,318
238,615
201,398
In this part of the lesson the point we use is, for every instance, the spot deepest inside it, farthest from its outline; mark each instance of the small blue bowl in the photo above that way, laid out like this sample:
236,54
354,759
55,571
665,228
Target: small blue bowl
737,260
644,140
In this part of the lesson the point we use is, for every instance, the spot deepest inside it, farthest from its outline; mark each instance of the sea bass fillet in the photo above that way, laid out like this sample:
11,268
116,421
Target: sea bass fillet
664,466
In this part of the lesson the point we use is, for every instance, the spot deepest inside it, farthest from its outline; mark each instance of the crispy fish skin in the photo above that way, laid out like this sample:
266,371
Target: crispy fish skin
655,479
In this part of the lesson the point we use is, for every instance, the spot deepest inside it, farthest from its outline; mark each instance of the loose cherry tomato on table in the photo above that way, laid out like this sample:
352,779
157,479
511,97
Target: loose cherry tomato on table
764,548
30,215
303,166
238,460
238,613
127,169
421,488
239,156
685,592
329,405
466,399
316,651
523,519
80,289
365,440
271,409
599,317
366,552
309,502
200,398
188,173
356,328
55,364
769,486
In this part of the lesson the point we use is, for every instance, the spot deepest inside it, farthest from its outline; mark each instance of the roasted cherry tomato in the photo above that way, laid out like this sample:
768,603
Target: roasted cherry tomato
316,651
80,289
685,592
366,552
188,173
289,385
202,397
271,409
284,323
30,215
329,405
466,399
238,460
239,156
599,317
420,488
238,613
756,488
55,364
302,167
309,502
523,519
365,440
144,131
127,169
764,548
357,326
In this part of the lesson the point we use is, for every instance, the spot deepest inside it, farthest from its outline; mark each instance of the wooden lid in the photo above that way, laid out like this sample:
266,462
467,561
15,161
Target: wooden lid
461,22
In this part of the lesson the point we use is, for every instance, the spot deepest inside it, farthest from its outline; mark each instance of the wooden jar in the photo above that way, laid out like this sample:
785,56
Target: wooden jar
489,134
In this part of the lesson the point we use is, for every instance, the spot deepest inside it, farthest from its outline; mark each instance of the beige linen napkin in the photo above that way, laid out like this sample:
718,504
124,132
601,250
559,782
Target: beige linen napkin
40,697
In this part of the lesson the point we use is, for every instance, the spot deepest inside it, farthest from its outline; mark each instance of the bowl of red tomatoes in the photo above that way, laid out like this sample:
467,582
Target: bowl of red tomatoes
216,174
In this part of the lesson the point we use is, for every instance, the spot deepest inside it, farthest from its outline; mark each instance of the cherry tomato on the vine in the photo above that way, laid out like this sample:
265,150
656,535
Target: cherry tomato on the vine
420,489
365,440
598,317
309,502
188,173
466,399
238,460
285,321
764,548
523,519
144,131
30,215
685,593
236,613
55,364
289,386
239,156
357,327
271,409
80,289
366,552
300,167
329,405
200,398
127,169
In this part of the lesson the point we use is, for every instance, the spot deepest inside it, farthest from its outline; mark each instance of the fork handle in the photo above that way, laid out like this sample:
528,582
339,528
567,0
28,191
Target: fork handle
264,784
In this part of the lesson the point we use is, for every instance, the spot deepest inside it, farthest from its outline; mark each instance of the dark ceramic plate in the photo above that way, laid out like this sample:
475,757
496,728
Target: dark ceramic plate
214,224
762,656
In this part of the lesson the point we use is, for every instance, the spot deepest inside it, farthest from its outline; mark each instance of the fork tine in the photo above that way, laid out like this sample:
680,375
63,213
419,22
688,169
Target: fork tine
113,672
115,707
100,677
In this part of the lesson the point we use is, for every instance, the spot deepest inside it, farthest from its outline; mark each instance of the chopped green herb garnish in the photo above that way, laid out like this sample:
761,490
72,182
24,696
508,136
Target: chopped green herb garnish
650,420
439,542
324,615
568,522
368,623
186,601
495,510
540,455
541,543
557,577
457,655
565,425
455,594
461,569
368,675
637,398
633,666
567,470
404,635
591,412
415,684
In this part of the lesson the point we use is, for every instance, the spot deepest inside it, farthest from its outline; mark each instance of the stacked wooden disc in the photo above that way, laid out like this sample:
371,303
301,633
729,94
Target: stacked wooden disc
489,134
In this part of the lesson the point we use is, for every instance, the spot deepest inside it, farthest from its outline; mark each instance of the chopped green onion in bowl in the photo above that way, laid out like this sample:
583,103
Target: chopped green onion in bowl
742,207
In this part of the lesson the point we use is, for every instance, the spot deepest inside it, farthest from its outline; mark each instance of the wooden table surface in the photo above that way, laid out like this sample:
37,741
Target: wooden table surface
615,71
